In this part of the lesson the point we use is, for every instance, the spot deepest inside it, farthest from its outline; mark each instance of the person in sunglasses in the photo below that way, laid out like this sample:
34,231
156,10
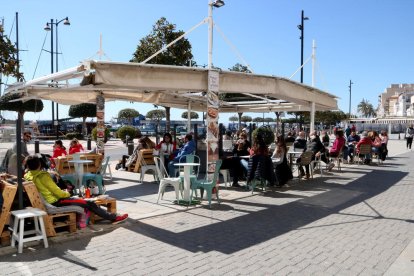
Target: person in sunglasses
27,136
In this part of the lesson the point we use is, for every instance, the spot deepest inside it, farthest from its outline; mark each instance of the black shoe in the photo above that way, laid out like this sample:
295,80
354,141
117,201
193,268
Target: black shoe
236,185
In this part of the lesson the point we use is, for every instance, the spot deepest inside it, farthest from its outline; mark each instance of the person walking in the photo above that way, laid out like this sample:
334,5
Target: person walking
409,134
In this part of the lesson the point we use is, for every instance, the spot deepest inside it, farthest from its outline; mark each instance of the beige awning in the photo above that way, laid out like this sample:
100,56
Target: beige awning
173,86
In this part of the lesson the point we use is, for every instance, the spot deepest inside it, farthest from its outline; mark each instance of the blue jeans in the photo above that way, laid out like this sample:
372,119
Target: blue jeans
171,168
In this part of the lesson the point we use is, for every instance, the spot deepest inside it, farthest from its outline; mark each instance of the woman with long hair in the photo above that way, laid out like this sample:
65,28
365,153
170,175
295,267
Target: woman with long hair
283,171
166,148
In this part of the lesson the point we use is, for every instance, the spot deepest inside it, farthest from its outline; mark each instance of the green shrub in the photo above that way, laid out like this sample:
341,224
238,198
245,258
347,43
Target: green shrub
107,134
127,130
267,134
72,135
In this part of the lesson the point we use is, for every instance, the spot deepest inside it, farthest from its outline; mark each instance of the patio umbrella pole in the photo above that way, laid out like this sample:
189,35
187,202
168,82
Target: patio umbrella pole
19,159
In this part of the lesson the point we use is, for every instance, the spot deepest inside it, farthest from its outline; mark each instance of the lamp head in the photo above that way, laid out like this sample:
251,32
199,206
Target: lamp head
306,18
300,27
218,3
47,27
66,22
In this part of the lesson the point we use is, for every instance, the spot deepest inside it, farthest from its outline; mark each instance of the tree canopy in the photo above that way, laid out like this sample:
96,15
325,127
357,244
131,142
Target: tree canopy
8,102
155,115
9,65
128,114
83,111
246,119
193,115
240,68
366,109
233,118
163,33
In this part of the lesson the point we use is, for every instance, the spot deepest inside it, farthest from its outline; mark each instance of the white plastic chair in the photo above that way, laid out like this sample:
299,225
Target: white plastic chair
165,181
146,167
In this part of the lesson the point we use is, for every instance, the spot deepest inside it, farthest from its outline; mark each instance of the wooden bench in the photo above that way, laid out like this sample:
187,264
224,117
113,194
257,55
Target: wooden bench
145,156
109,203
58,217
9,192
63,167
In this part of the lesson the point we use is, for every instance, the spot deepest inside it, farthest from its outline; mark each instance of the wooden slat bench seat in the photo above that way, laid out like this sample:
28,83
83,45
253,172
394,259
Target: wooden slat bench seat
58,217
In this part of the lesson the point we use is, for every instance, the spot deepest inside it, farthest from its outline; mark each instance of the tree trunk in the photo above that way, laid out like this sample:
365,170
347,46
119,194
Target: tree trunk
240,115
277,122
84,130
167,118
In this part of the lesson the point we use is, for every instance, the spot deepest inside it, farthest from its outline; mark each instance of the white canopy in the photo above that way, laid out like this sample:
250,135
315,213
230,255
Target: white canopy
173,86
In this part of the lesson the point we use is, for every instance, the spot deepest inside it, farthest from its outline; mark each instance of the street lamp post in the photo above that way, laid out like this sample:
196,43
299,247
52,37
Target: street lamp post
49,27
350,93
216,4
301,27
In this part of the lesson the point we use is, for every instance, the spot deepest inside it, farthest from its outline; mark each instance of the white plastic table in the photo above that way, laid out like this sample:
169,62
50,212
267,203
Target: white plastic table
187,181
78,164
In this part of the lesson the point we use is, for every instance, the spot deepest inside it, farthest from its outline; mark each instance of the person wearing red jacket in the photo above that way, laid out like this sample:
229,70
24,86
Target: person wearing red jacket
366,140
59,149
75,146
166,148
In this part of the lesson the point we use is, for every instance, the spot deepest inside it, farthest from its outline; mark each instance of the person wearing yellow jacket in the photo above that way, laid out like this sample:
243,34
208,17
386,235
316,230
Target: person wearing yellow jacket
57,197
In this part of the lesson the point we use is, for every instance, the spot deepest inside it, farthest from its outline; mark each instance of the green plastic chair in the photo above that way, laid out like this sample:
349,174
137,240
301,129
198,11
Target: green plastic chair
207,185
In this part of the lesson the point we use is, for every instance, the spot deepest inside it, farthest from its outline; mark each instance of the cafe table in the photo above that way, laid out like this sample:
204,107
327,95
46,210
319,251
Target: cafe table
78,164
292,155
187,182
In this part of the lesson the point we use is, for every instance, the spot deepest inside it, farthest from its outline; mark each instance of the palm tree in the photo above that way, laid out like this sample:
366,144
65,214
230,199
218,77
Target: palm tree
366,109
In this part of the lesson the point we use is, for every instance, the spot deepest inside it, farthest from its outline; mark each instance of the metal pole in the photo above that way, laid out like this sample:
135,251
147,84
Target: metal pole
17,43
210,34
57,69
51,68
350,93
301,47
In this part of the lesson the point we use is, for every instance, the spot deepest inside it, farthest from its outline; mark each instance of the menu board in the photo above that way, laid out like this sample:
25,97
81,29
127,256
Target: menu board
212,119
100,124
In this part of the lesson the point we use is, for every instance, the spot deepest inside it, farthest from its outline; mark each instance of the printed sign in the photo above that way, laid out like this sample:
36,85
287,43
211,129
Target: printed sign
212,119
100,124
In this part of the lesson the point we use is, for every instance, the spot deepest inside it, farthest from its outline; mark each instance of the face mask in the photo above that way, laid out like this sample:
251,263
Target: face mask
312,137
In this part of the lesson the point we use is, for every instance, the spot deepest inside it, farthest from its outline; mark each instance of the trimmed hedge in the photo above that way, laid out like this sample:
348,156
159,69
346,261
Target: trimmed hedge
107,134
267,134
127,130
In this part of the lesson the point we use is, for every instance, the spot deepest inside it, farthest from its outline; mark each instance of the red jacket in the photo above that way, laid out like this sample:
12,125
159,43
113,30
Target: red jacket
365,140
58,151
337,145
76,148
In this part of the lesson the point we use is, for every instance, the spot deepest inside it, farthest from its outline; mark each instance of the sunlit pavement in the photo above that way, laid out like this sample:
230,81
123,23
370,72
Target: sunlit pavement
357,221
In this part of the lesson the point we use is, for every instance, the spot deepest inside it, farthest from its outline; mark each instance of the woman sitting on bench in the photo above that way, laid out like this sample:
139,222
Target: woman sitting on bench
57,197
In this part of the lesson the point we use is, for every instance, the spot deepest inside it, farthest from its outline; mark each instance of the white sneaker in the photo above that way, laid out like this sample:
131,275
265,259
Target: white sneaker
330,166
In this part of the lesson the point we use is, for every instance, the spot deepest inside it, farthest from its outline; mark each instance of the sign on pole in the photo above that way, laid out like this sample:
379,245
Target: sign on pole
212,119
100,124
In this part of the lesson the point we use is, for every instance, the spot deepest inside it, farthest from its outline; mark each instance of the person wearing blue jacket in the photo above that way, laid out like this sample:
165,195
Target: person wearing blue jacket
188,148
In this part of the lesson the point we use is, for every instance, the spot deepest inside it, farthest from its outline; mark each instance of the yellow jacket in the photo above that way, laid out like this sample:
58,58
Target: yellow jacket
46,186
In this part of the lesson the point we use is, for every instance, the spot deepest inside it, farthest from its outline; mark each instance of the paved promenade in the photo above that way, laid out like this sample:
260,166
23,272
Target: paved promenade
359,221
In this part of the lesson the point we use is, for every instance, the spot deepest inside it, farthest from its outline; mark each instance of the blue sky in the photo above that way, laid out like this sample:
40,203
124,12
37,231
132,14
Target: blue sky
369,42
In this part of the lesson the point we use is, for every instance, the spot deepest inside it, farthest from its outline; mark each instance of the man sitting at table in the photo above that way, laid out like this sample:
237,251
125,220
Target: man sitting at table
57,197
188,148
318,149
300,142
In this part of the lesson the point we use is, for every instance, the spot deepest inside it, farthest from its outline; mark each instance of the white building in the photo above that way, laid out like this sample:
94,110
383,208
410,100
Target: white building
396,101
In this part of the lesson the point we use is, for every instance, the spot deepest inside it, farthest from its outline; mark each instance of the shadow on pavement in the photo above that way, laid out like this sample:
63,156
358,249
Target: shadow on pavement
239,233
